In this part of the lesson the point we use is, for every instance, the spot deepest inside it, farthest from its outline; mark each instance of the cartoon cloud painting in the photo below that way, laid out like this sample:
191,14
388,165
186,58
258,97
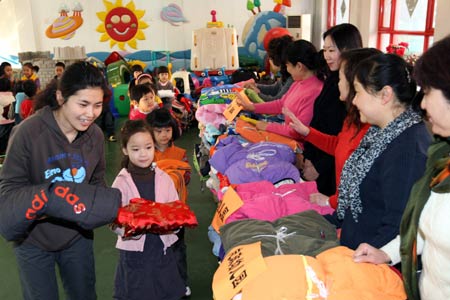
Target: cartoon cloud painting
173,14
121,25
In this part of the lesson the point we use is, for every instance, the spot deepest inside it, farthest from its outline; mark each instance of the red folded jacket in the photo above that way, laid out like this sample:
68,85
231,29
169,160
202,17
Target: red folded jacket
143,216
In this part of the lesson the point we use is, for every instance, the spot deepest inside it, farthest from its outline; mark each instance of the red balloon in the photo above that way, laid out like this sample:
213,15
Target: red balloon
274,33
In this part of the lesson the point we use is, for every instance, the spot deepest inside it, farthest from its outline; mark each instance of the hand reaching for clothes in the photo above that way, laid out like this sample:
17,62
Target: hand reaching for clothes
246,105
261,125
251,85
296,124
319,199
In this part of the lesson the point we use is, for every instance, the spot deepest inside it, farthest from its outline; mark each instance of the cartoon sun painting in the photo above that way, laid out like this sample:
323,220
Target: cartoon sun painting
121,24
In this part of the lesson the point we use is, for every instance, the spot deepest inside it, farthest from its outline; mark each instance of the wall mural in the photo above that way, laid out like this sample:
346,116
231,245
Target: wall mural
121,25
64,26
173,14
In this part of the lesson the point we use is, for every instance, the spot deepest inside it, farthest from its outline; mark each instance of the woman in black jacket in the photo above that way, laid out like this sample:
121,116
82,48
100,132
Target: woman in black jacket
329,112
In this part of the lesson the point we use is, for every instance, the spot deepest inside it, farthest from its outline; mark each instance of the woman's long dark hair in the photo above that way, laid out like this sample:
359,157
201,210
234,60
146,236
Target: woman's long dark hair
78,76
276,50
346,36
382,70
349,61
433,68
304,52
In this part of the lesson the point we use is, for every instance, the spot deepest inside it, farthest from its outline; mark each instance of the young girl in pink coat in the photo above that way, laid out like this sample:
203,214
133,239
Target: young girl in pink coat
147,266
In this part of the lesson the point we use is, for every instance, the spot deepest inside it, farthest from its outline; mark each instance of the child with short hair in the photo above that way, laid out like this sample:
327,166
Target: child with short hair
136,70
26,107
165,131
147,265
142,98
146,78
165,87
59,69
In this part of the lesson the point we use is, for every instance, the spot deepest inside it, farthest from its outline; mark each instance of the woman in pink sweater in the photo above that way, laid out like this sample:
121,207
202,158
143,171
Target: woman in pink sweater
342,145
304,64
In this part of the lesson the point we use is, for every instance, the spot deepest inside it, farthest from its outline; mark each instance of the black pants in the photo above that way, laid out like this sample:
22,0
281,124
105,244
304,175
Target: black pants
179,250
5,131
76,268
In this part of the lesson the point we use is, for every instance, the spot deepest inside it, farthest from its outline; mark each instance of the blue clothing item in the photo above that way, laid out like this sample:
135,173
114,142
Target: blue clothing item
19,98
385,190
76,268
221,253
214,238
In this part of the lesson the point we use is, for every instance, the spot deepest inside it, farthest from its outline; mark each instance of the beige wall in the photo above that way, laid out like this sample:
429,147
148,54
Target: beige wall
442,24
27,20
364,15
23,22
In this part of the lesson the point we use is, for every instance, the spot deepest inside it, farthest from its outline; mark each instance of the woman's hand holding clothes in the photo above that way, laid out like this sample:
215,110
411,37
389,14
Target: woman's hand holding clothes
251,85
261,125
246,105
319,199
369,254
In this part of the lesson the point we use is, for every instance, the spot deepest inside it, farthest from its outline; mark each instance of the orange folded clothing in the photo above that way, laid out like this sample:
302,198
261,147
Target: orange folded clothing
249,132
143,216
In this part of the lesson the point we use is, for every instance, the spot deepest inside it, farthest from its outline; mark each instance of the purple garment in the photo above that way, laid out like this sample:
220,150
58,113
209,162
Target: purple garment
234,152
231,139
251,170
271,150
263,201
226,156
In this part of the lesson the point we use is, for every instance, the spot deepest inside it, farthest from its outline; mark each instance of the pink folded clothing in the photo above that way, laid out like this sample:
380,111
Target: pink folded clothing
211,114
263,201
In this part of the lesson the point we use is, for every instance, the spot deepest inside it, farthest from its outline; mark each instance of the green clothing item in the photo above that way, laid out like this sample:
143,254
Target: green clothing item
438,158
253,96
306,233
